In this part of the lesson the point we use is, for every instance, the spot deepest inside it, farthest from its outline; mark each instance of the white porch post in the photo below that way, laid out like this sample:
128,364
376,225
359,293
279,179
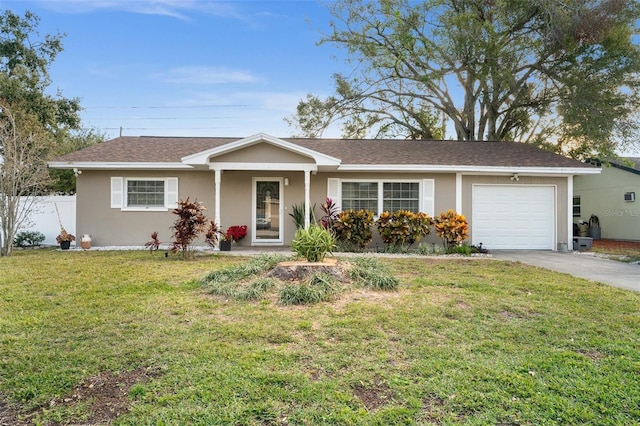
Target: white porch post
216,213
569,214
307,201
458,194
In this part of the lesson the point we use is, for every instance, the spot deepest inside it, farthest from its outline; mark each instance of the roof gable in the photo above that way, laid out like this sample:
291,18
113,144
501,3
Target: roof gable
201,158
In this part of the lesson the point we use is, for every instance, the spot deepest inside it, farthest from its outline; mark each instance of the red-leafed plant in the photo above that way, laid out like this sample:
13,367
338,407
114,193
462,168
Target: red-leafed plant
211,236
330,210
153,243
191,222
236,232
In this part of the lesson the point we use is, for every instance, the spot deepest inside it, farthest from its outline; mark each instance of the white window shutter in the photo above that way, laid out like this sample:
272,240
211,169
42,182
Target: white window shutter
171,193
428,196
333,192
117,192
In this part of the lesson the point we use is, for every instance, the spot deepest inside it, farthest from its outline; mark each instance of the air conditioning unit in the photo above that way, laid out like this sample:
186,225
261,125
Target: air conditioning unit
629,196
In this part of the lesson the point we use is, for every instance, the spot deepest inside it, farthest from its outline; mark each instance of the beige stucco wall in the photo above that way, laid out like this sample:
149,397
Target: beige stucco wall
116,227
262,153
109,226
560,183
603,195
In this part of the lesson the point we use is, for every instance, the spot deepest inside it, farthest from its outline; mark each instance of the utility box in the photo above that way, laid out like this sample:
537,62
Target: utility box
582,243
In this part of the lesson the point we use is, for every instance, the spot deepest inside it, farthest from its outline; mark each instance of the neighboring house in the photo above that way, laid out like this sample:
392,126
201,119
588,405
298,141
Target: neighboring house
515,196
611,196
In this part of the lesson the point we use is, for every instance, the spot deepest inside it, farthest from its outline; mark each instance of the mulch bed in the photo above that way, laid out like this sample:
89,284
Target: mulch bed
616,244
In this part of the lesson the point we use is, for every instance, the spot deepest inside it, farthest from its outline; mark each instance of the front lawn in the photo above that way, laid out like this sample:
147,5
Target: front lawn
134,338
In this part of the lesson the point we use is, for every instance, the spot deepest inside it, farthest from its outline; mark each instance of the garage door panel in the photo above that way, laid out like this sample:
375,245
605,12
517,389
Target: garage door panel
514,216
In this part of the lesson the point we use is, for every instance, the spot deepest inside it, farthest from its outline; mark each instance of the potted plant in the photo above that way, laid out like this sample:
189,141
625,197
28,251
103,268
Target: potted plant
234,233
65,239
225,242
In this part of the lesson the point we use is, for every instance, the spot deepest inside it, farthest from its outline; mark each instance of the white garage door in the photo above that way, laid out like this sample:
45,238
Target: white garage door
514,217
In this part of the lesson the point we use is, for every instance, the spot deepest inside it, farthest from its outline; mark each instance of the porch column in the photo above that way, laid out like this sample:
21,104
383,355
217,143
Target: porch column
569,219
307,201
216,212
458,194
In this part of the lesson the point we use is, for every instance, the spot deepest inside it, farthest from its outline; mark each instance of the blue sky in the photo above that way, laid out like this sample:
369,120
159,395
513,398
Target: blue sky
188,67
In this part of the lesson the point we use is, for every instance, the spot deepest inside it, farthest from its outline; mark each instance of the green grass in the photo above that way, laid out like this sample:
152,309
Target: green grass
459,342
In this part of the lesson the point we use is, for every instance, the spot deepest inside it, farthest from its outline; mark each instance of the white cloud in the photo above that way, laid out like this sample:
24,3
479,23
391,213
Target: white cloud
206,76
173,8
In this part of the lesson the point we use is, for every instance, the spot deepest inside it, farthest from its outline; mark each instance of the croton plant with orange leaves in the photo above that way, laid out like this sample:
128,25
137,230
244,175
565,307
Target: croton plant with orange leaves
451,227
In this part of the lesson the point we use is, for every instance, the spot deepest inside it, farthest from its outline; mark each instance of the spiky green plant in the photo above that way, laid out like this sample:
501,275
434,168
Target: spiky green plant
313,243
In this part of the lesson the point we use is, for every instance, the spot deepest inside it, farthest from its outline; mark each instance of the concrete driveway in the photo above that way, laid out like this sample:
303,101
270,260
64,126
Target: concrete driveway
618,274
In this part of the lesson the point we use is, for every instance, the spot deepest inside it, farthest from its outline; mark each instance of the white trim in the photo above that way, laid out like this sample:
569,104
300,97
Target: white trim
569,213
489,170
380,183
492,170
319,158
254,240
171,192
119,190
144,209
307,198
334,191
217,183
298,167
428,191
87,165
459,193
116,192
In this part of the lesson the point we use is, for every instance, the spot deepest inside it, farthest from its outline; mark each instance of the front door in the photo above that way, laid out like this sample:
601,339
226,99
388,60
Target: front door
267,211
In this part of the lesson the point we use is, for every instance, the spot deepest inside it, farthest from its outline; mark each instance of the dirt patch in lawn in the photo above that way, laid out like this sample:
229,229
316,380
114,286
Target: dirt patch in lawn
373,395
106,394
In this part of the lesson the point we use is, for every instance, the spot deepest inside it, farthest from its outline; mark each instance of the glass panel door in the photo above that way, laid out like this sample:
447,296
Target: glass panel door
268,212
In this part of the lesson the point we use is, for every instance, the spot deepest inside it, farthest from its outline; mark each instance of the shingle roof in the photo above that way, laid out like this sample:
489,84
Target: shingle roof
144,149
635,168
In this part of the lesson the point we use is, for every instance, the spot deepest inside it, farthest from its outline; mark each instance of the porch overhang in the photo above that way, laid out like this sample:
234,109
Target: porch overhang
291,167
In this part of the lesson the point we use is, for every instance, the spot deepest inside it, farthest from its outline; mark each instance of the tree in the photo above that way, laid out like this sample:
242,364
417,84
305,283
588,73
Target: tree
24,80
24,75
535,71
23,170
63,181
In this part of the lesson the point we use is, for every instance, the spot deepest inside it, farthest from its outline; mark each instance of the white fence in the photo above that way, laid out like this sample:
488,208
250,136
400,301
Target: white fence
43,217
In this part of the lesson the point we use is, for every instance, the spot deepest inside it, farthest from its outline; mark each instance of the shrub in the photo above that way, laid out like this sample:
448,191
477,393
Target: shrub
462,249
313,243
153,243
353,229
369,272
28,239
428,249
318,288
403,227
191,222
297,214
256,289
452,228
236,273
236,232
330,213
